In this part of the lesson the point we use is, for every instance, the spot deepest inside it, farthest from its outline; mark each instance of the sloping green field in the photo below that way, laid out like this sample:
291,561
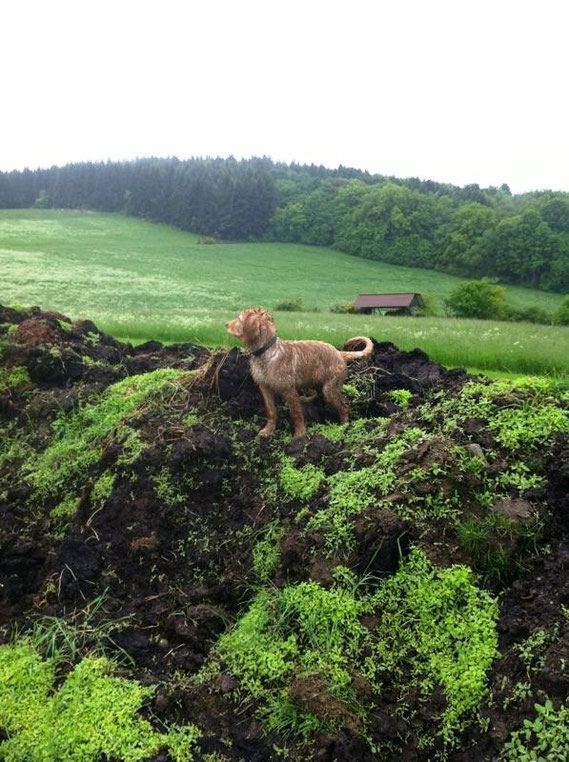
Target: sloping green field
140,280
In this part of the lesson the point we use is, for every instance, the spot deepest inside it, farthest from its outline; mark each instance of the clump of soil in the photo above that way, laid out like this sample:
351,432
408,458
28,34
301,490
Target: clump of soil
166,530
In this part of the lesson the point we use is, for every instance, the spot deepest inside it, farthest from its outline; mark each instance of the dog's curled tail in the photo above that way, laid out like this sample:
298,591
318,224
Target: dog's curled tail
357,355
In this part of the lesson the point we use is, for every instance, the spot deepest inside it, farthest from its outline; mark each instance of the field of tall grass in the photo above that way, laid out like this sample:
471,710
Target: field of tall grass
485,345
139,280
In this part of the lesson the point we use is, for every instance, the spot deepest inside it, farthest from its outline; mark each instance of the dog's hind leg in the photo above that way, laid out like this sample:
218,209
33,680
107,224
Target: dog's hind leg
309,398
293,400
332,393
270,410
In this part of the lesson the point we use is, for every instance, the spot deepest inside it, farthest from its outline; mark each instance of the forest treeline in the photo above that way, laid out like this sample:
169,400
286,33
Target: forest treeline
469,231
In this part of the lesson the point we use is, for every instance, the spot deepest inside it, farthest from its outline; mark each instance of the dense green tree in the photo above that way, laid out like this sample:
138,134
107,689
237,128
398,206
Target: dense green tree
477,299
459,241
472,231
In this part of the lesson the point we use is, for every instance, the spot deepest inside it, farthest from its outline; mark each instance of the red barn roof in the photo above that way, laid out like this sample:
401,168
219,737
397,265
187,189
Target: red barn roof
387,300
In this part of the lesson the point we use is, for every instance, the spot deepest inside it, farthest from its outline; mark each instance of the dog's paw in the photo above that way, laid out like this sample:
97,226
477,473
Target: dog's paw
266,432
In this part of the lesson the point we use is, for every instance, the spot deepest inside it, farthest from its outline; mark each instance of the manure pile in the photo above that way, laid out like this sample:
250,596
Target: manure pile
174,588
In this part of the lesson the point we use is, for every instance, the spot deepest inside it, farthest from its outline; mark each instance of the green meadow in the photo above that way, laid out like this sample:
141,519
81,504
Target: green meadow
139,280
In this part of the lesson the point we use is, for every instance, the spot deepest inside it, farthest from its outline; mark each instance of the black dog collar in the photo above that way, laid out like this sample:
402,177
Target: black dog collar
271,342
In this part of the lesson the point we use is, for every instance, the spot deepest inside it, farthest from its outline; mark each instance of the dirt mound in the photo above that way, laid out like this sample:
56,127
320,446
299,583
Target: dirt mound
388,370
139,509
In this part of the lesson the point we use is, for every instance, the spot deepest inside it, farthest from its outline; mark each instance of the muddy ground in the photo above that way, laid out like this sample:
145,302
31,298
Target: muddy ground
172,555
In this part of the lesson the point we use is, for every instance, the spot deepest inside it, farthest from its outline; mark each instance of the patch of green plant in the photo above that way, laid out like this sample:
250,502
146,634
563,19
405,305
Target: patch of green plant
290,305
365,435
521,477
401,397
132,447
438,623
103,487
13,378
165,488
528,426
302,632
89,362
437,629
521,691
498,545
422,510
92,716
84,632
15,449
543,739
192,419
81,437
334,432
63,513
300,483
266,552
351,391
352,492
532,650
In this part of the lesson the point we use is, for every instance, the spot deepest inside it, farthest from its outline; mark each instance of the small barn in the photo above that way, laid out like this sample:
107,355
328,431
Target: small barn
390,304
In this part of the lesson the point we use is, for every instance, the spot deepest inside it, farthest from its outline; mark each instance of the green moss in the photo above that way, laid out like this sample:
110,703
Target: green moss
81,437
92,716
63,514
103,487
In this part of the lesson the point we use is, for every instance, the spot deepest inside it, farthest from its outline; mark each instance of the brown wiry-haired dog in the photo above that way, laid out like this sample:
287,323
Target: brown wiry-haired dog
287,366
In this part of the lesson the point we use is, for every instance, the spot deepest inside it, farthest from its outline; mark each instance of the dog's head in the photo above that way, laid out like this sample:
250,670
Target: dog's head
254,326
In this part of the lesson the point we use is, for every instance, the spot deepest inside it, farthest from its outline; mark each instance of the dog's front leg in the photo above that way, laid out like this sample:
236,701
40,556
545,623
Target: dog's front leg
270,410
292,398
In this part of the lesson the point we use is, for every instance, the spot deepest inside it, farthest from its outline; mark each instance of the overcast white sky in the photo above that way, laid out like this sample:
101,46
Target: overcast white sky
451,90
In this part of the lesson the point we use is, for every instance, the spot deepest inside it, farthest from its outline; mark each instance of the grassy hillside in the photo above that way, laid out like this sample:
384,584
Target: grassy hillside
156,268
140,280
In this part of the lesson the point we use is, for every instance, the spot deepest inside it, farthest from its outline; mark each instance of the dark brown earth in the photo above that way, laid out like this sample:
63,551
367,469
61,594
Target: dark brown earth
178,570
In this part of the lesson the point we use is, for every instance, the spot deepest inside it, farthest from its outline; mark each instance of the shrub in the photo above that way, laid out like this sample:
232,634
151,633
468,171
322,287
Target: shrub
532,314
290,305
347,308
480,299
